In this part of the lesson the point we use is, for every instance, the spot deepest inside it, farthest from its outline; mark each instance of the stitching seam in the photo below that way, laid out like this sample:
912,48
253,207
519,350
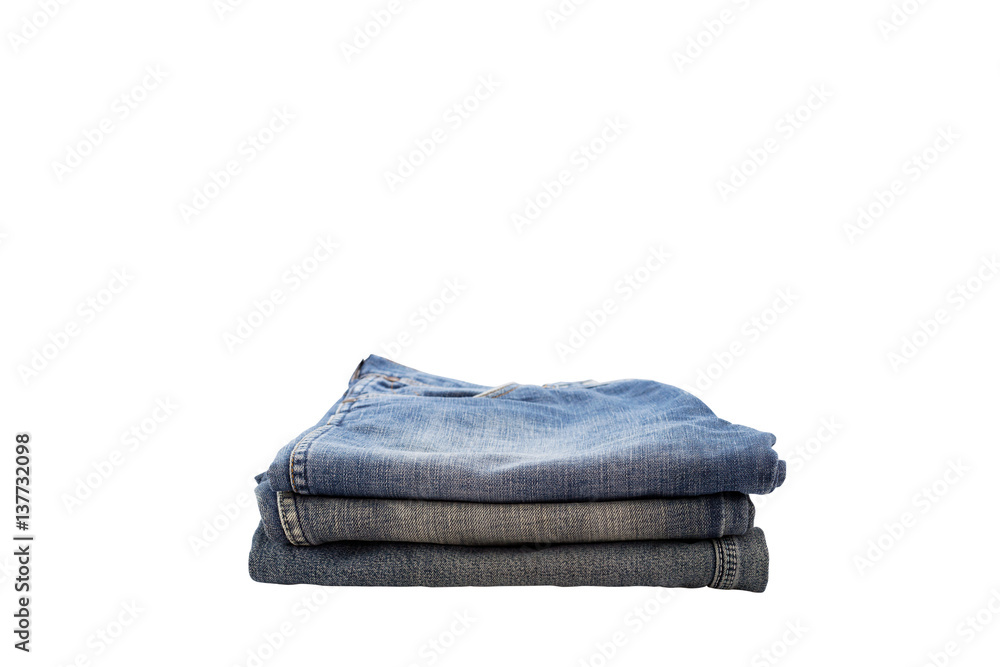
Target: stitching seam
726,563
297,468
288,512
494,392
393,378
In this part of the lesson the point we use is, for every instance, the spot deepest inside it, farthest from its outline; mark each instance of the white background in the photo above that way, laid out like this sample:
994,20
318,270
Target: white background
897,427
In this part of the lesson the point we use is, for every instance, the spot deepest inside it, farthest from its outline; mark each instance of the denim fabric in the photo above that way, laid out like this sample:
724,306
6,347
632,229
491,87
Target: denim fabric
402,433
310,520
736,562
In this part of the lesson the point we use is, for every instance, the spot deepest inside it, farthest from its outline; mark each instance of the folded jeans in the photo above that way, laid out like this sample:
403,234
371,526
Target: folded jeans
733,562
402,433
311,520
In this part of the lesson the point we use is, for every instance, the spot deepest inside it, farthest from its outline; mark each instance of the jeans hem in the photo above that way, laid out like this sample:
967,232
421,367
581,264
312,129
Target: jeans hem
291,524
727,563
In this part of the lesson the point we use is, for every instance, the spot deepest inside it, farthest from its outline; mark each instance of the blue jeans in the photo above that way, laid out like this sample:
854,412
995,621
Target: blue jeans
401,433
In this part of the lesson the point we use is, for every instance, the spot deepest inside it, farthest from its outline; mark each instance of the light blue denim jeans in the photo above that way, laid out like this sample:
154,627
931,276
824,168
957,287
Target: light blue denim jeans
401,433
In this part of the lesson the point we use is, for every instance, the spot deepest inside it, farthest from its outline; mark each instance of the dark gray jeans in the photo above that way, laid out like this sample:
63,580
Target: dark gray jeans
735,562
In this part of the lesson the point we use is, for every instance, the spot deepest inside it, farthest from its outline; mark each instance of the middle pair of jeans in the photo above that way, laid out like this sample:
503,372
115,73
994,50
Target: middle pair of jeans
313,520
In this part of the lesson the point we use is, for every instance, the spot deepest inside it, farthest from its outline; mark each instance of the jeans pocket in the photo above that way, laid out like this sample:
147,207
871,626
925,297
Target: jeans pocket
387,386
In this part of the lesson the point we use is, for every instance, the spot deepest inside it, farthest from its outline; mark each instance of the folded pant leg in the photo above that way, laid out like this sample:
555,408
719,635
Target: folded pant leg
313,520
402,433
733,562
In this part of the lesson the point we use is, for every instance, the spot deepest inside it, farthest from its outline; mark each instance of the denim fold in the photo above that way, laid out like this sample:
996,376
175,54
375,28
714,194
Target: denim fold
734,562
402,433
312,520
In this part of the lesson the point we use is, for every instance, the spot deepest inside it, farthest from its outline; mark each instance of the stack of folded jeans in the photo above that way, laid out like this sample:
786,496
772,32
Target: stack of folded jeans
412,479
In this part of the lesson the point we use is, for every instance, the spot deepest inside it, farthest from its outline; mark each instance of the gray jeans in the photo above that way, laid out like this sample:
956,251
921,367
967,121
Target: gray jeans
734,562
312,520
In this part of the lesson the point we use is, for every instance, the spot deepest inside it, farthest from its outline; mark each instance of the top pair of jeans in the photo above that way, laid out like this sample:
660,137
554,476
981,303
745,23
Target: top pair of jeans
402,433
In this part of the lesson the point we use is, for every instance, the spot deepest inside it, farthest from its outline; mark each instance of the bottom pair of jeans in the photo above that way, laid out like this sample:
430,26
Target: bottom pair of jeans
733,562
